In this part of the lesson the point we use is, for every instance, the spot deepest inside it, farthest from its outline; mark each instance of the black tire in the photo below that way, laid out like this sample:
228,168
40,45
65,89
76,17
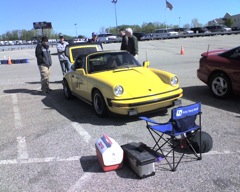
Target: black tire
220,86
66,90
99,104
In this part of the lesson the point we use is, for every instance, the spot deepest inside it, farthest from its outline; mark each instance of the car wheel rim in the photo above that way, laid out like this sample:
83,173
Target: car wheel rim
219,86
98,105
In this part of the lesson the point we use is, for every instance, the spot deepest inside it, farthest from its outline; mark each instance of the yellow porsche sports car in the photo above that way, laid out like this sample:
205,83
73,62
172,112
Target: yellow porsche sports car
114,81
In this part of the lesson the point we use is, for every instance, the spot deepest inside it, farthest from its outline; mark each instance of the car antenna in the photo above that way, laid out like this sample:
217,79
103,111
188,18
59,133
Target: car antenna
208,49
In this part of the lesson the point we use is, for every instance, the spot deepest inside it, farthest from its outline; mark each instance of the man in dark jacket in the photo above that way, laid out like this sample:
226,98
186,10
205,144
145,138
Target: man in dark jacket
95,39
132,43
124,43
44,62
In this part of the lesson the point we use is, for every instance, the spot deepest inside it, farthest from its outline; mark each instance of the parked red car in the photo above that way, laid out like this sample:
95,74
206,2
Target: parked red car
220,70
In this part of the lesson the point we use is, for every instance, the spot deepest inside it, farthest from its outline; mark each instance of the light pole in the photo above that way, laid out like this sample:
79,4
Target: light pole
76,29
115,2
179,21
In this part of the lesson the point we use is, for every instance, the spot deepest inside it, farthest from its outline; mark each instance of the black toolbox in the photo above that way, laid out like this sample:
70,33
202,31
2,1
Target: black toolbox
139,159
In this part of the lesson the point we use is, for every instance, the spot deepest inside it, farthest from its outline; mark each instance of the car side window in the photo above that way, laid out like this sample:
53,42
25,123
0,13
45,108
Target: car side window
79,63
236,54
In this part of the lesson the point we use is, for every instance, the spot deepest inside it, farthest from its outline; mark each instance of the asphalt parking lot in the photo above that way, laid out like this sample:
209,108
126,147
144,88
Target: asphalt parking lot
47,142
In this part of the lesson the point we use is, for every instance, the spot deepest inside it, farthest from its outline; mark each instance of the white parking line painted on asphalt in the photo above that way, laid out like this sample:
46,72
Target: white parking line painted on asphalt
21,141
7,95
22,148
81,131
85,178
39,160
16,112
76,158
28,54
225,152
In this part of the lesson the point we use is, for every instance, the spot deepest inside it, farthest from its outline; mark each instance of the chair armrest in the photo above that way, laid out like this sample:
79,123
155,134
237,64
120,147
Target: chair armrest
148,120
166,128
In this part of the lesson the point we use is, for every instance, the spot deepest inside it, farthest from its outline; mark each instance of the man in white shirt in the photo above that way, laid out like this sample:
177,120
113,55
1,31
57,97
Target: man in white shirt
64,61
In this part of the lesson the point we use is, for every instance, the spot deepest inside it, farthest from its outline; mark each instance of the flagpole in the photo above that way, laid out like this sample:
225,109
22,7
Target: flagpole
165,15
168,5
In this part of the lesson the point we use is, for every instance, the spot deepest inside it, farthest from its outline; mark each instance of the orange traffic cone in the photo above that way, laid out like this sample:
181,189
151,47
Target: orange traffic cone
9,61
182,50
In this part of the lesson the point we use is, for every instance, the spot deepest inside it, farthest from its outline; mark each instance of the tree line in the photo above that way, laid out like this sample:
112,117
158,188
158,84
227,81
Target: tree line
51,34
29,35
151,27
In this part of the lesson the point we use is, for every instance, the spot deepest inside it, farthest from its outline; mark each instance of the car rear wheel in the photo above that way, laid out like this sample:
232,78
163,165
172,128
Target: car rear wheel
220,85
66,90
99,104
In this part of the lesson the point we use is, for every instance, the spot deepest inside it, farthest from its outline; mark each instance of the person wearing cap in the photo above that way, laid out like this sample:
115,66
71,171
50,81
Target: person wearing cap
124,42
64,61
94,37
132,43
44,62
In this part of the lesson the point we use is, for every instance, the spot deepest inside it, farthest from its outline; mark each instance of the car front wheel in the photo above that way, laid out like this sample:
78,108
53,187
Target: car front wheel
66,90
220,85
99,104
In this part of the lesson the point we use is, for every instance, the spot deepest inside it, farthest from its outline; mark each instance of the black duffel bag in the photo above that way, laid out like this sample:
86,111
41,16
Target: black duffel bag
206,144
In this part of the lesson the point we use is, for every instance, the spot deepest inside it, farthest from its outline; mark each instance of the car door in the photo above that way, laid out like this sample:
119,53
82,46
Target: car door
80,81
78,64
235,69
230,64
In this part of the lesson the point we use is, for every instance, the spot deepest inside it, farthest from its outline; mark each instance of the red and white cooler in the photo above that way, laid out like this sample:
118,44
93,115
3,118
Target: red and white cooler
109,153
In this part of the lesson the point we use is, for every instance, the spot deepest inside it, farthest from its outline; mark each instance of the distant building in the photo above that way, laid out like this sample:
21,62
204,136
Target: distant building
236,19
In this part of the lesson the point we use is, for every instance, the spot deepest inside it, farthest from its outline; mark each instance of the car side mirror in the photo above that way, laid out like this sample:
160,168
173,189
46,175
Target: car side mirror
80,71
146,63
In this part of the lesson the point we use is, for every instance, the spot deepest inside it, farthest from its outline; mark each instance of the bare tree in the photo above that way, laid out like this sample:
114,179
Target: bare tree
187,26
229,22
102,30
195,23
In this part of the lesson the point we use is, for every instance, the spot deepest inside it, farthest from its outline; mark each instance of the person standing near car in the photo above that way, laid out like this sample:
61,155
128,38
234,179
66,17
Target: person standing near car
124,43
132,43
64,61
44,62
94,37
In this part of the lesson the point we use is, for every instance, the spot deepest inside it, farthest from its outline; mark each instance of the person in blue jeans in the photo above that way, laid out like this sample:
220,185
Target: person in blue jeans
64,61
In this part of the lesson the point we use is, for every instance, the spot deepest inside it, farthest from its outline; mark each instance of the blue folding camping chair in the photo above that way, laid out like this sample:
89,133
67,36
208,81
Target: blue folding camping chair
176,134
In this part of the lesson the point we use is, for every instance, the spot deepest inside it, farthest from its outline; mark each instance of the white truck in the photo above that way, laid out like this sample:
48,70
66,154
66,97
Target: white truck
164,33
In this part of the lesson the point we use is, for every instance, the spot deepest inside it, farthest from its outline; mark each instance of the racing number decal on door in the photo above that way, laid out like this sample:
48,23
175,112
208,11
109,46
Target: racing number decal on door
79,82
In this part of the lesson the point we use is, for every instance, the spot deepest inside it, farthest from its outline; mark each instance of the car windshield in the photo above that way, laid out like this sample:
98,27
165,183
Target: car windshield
111,61
83,51
232,53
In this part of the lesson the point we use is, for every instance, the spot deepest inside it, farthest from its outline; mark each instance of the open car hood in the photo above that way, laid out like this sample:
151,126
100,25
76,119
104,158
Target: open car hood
83,48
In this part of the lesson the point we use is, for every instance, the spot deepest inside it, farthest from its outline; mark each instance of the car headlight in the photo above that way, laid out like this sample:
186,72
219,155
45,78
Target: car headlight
118,90
174,81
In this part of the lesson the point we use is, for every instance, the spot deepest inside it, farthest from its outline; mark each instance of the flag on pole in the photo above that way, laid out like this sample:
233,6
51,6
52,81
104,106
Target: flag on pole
169,5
